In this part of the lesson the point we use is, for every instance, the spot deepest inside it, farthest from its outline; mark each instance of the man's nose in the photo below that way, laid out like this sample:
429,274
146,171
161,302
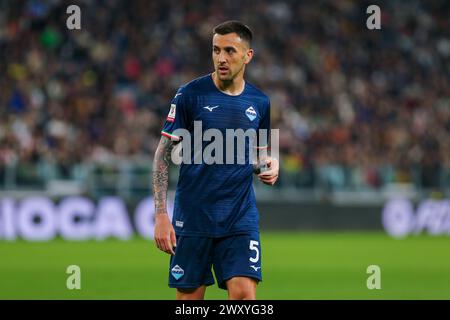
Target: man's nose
222,58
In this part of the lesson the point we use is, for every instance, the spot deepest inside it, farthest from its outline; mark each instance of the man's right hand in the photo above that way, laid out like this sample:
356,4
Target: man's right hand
165,234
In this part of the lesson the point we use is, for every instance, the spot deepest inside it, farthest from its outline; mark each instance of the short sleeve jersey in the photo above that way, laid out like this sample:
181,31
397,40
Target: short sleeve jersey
216,199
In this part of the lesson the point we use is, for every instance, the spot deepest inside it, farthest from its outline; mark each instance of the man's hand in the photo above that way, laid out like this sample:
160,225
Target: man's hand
270,176
165,234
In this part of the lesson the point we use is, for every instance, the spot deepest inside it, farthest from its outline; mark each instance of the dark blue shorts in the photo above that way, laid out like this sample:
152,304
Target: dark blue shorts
231,256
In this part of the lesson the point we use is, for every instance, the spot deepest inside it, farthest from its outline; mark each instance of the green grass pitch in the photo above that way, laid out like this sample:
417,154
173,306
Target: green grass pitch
295,266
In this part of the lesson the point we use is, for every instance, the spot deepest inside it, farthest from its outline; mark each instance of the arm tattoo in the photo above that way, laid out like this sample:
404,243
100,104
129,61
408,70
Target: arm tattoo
161,174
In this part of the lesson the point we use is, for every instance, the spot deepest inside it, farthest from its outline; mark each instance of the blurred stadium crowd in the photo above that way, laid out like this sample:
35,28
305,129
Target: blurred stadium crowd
356,108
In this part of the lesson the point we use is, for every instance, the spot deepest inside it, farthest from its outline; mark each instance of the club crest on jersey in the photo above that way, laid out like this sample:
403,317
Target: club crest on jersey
177,272
171,116
250,113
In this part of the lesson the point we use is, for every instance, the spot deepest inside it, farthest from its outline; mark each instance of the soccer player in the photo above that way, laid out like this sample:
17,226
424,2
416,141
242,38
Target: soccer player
215,222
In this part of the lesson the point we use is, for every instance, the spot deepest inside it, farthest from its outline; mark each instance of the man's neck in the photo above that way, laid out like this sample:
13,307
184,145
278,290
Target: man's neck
233,87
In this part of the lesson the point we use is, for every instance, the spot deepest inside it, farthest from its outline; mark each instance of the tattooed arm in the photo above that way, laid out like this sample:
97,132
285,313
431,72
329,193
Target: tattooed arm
164,232
161,174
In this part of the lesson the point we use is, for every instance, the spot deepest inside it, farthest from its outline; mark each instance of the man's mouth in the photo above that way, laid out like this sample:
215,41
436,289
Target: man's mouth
223,69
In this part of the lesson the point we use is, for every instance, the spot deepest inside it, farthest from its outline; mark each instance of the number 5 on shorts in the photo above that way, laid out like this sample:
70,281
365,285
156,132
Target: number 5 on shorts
254,246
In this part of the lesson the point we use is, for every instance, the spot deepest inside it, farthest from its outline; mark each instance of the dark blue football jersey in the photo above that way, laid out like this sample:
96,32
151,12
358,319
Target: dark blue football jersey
217,199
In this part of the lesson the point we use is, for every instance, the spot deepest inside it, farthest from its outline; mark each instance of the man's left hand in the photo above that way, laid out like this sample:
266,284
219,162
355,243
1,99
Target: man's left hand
270,176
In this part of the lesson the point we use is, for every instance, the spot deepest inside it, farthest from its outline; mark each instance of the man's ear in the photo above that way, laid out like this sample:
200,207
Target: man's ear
248,56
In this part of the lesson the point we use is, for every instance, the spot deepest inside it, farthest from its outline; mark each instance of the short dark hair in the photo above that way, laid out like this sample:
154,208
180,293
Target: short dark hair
243,31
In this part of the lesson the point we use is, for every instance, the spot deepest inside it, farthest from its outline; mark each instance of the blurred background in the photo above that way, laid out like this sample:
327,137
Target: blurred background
364,119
